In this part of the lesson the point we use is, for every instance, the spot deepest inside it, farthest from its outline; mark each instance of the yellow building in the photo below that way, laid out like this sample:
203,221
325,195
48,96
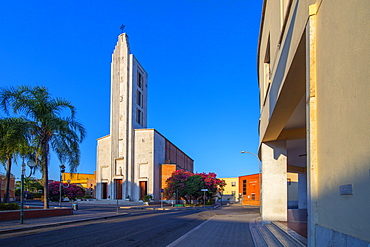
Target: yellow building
231,189
87,181
313,59
292,190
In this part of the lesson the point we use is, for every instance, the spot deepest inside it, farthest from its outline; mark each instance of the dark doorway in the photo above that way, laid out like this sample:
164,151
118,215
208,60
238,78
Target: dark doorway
118,185
104,190
143,189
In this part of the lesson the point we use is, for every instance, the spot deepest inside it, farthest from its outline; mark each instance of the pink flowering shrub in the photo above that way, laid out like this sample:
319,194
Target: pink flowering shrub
71,191
176,184
188,186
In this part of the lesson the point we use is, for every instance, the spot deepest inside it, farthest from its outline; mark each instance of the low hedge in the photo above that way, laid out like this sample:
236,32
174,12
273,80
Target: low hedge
9,206
37,195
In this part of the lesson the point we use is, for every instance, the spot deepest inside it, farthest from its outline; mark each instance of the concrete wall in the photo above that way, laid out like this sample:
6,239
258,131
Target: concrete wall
322,46
103,164
144,161
279,42
159,157
150,152
343,116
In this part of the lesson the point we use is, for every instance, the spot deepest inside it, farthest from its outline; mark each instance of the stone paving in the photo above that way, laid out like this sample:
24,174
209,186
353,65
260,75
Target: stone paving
220,230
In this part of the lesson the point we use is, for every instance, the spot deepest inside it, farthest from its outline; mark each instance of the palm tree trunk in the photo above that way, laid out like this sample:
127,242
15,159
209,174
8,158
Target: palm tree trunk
7,185
46,174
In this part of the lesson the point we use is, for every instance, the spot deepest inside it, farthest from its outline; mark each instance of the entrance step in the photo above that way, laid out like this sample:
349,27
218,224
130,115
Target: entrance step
275,235
112,202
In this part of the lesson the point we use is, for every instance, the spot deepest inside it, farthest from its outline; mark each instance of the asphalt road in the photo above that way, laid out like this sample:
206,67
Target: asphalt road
139,228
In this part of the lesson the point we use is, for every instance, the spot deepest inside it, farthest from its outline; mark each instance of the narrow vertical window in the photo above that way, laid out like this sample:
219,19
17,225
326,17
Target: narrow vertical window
139,80
139,117
139,98
266,71
283,11
244,187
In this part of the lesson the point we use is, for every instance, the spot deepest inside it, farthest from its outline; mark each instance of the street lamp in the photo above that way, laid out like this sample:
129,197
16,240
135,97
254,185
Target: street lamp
259,173
62,170
255,155
32,165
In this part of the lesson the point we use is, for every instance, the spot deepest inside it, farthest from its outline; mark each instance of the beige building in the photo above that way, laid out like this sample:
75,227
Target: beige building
231,189
313,58
129,159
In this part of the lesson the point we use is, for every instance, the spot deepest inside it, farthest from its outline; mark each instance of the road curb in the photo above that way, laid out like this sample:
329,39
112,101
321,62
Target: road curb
27,228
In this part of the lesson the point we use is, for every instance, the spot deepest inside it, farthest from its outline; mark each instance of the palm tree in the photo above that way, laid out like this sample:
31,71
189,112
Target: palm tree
51,126
13,132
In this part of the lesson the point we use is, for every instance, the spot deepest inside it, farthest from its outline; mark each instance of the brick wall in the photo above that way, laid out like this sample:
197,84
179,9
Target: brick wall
174,155
34,213
166,172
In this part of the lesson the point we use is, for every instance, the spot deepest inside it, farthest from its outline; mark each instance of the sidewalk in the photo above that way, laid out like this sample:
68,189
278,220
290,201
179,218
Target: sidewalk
228,227
78,216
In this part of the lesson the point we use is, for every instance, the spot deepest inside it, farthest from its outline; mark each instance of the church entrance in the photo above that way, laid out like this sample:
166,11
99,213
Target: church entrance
118,185
104,190
143,189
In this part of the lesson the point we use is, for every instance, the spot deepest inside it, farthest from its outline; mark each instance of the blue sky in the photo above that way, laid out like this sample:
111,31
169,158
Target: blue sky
200,56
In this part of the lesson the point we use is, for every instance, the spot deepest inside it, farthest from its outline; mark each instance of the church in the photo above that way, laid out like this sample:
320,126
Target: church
133,161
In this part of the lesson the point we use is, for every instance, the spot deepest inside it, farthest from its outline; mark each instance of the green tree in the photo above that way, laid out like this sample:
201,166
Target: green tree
53,126
32,185
194,185
13,132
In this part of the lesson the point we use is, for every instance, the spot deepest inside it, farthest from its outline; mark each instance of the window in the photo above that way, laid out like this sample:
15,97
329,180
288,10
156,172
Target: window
233,184
244,187
233,193
283,11
253,196
139,80
139,117
266,71
139,98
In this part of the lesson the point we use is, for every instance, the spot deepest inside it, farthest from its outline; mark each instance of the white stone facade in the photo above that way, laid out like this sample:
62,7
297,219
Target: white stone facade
128,160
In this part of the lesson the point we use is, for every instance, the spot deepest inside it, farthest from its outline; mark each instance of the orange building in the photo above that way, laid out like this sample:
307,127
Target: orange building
168,169
166,172
2,187
249,189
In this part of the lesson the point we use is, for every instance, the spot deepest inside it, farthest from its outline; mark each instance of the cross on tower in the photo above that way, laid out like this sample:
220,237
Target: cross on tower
122,27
